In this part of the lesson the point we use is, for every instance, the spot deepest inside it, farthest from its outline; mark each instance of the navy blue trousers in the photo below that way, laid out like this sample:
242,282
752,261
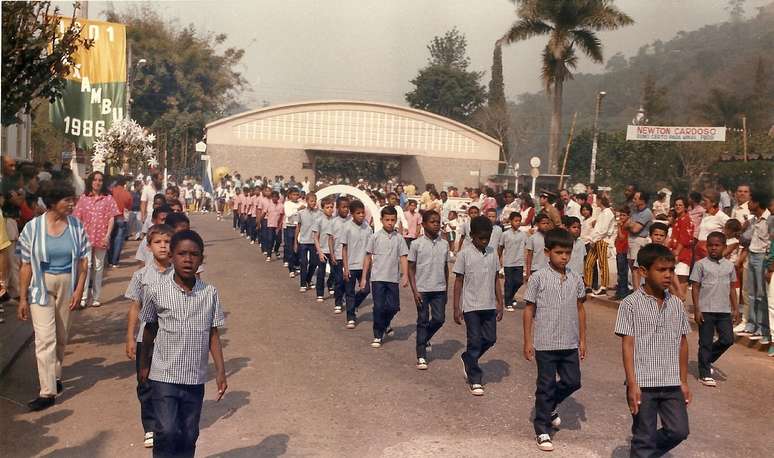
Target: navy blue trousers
177,408
386,305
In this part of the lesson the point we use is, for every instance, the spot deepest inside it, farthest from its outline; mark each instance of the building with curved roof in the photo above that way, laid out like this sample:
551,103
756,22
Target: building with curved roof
290,139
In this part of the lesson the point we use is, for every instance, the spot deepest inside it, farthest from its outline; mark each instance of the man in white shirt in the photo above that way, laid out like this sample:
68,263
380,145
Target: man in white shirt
741,212
571,208
602,239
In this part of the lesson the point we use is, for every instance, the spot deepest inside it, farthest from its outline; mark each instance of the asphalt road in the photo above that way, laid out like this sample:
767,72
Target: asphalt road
300,384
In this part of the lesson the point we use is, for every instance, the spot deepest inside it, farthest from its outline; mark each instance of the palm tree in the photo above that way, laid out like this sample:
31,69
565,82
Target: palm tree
569,24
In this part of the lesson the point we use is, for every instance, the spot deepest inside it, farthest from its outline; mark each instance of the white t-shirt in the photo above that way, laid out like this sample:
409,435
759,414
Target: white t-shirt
711,223
148,192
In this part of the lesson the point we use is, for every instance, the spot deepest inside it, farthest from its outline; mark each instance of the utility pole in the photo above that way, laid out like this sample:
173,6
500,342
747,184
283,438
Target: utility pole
744,136
593,171
567,150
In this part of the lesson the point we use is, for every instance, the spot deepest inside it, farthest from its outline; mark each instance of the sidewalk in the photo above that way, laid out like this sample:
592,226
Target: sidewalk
14,336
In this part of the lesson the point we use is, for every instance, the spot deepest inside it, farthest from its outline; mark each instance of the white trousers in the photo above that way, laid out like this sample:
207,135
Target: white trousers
51,323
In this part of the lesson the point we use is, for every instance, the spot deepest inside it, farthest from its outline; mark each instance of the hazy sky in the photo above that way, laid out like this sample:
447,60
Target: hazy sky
368,49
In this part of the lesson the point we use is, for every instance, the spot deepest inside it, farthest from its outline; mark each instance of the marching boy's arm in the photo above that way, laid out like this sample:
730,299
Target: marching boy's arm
633,392
217,358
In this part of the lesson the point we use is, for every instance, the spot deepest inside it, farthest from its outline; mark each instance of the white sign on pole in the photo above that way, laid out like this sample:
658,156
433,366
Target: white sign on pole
676,134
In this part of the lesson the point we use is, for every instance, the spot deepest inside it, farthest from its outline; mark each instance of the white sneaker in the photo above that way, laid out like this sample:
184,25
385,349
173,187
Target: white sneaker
292,275
83,303
331,292
556,420
148,440
708,381
476,389
252,242
302,289
544,443
351,324
740,327
96,303
509,308
284,264
422,364
337,309
389,332
320,299
376,343
268,258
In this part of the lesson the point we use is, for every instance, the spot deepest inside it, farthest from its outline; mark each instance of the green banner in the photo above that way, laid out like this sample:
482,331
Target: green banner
95,91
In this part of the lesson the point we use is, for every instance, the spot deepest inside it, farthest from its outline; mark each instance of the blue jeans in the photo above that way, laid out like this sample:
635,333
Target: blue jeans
549,392
514,278
622,265
356,296
758,317
320,283
431,314
144,394
481,329
386,305
307,256
290,255
119,234
177,408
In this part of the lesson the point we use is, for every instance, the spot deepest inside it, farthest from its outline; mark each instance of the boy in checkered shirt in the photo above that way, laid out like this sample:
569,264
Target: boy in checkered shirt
653,327
183,315
554,332
158,238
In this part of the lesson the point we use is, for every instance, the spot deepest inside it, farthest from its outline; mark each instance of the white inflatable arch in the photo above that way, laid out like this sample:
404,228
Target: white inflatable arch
360,195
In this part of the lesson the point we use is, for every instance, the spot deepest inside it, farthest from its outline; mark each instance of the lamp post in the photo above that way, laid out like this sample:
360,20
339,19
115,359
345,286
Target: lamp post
129,82
593,171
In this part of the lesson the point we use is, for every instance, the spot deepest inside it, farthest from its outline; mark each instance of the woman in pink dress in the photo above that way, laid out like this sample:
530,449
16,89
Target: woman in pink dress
97,210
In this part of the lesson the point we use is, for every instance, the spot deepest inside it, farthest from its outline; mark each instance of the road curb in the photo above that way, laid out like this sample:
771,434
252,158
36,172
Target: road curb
18,334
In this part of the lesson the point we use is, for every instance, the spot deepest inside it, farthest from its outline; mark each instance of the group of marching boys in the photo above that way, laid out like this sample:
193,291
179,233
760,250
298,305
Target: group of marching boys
336,236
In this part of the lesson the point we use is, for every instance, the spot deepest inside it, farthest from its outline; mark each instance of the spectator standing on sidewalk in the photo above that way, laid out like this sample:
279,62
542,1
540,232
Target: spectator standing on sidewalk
54,254
123,200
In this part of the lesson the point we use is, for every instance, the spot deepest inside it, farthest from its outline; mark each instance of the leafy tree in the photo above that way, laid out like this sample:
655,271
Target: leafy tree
445,86
449,50
36,57
493,118
185,83
720,108
570,25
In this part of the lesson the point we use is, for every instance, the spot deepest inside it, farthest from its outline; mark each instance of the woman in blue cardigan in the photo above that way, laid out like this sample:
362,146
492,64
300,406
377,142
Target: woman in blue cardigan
54,252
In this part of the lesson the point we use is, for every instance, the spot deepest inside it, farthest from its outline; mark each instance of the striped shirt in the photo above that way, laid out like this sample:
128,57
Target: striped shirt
536,244
513,242
715,278
322,227
657,333
555,297
185,320
431,257
141,280
480,270
386,249
31,249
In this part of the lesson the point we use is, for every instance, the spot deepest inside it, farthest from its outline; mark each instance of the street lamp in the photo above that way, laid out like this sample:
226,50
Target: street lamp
593,171
129,82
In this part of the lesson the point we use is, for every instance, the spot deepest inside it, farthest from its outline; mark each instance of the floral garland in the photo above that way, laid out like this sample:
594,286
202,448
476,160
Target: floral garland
125,143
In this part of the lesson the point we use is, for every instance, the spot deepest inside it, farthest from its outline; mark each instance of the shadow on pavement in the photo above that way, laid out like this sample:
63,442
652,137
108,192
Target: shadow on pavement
84,374
110,280
622,451
213,410
404,332
89,448
446,350
232,366
35,431
272,446
573,414
495,370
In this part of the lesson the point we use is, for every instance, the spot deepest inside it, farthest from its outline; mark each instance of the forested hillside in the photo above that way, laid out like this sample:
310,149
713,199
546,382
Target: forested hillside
708,76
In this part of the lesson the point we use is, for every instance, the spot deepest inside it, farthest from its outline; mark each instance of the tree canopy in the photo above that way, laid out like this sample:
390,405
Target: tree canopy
36,57
186,82
445,86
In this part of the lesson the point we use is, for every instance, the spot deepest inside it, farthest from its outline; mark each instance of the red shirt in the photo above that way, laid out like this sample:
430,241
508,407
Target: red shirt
123,198
682,233
622,240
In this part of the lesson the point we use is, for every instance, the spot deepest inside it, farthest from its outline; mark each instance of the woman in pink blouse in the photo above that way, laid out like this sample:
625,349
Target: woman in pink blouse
97,210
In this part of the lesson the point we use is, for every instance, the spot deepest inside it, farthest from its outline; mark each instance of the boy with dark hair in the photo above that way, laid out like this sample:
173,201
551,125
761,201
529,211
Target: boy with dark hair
428,266
464,228
305,246
413,222
497,231
577,258
178,222
159,236
289,222
554,297
511,251
323,245
653,327
335,232
715,303
478,299
534,248
178,371
273,212
386,256
355,238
